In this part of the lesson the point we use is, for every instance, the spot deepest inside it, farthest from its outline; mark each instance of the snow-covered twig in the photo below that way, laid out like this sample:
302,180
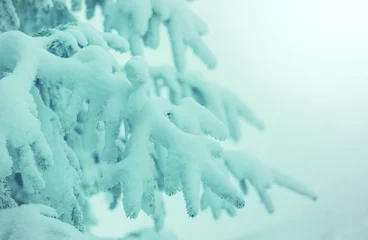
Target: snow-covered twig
246,168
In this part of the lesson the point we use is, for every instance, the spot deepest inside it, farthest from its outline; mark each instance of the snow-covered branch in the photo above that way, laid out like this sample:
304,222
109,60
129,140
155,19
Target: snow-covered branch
246,168
73,122
64,94
221,102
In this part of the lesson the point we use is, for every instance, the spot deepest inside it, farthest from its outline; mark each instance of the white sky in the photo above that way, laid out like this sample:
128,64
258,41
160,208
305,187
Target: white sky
302,65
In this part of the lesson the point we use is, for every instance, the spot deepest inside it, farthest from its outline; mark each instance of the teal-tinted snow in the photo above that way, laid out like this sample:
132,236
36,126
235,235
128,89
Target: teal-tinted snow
148,234
130,19
67,198
66,40
137,171
116,42
64,141
6,200
85,35
44,156
31,16
221,102
90,7
137,20
27,143
166,76
20,125
184,27
6,162
215,203
76,5
34,221
8,16
159,213
203,122
246,168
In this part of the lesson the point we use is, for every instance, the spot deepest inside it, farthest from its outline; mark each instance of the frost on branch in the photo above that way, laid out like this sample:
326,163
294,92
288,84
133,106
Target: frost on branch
32,133
130,19
176,129
6,201
137,21
34,221
184,27
215,203
68,199
247,169
64,141
220,101
75,97
31,16
5,160
65,40
8,17
140,21
20,126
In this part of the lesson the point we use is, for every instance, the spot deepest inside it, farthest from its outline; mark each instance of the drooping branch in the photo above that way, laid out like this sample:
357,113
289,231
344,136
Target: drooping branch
220,101
246,168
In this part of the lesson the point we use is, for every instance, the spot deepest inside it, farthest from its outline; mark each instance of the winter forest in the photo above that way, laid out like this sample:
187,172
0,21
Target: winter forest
88,110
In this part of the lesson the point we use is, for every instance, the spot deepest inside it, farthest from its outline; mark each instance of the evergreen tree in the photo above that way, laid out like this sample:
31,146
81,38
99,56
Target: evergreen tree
74,122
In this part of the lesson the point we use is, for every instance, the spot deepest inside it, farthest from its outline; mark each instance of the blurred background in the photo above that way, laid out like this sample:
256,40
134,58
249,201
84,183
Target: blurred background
303,67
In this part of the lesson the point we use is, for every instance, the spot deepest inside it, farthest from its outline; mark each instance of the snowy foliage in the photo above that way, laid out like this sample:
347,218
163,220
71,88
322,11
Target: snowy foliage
33,221
31,16
224,104
74,123
247,169
138,21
